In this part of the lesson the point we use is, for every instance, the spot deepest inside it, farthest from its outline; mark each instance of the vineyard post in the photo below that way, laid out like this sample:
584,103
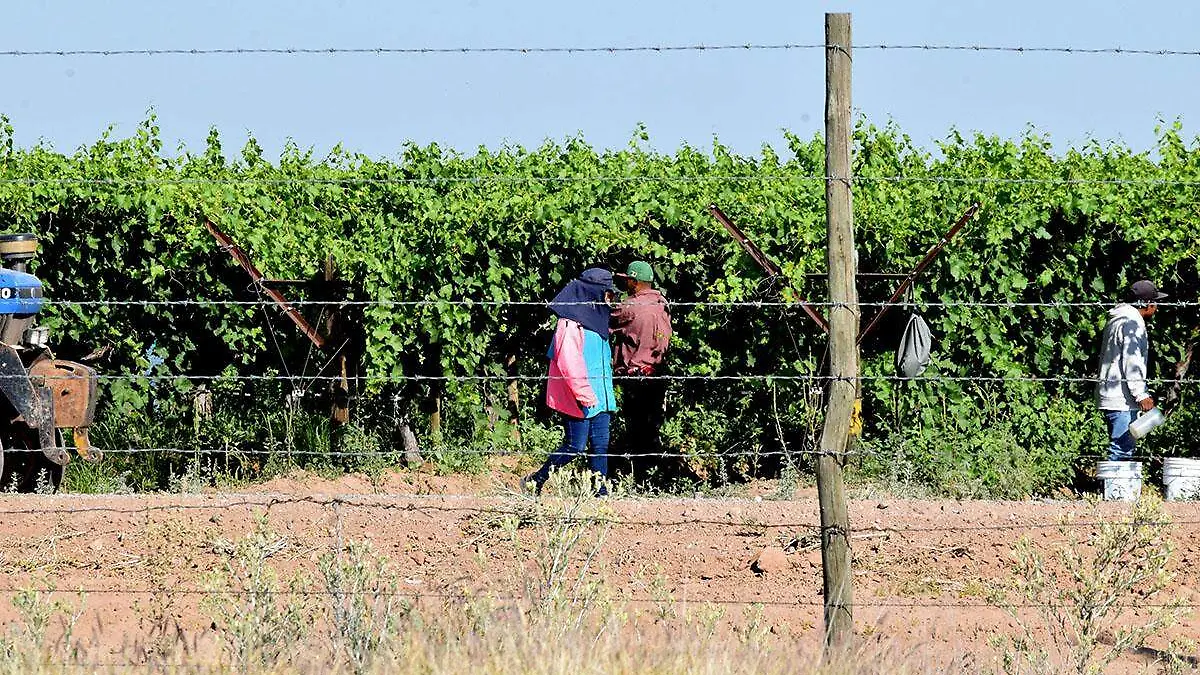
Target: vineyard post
335,324
843,338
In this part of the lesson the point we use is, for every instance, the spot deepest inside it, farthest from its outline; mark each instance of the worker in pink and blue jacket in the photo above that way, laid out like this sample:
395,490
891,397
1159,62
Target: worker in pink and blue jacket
580,385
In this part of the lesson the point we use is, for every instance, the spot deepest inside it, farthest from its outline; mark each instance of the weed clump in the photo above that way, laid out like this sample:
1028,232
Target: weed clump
1096,597
363,605
261,621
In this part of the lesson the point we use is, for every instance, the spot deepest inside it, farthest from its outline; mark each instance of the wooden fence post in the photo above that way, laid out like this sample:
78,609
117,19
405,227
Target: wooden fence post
843,337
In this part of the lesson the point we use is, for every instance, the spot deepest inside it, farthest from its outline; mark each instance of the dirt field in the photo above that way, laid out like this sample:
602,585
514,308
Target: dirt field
924,570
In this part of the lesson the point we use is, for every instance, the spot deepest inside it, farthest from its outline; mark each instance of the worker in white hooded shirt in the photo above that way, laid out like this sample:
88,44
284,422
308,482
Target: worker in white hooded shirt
1121,392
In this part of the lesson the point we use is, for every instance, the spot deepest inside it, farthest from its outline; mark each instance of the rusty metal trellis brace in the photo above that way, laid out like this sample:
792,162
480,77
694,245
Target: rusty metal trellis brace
764,262
260,282
912,276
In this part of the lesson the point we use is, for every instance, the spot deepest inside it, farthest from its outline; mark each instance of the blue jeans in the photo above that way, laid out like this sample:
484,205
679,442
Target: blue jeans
1121,443
576,436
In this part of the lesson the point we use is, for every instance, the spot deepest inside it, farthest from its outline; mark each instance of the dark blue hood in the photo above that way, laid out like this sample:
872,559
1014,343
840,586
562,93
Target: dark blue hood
582,300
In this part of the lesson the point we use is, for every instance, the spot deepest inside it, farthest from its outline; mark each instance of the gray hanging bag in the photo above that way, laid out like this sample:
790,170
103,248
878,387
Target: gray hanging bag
912,358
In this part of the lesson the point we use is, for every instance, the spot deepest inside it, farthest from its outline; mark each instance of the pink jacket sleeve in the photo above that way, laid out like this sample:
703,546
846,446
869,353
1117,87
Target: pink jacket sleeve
568,355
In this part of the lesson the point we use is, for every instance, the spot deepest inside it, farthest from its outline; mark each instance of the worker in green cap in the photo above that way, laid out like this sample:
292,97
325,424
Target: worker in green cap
640,334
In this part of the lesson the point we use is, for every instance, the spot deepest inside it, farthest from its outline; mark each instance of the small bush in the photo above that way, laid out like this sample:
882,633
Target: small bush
1096,597
363,604
43,632
261,621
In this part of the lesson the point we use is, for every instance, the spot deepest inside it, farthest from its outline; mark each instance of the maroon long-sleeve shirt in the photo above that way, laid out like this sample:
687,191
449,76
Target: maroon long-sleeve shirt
641,332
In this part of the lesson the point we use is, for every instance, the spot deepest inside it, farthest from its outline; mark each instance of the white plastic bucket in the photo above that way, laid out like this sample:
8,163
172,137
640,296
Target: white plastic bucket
1181,478
1122,480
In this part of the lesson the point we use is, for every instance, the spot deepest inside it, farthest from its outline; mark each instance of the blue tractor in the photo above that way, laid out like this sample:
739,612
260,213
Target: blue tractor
41,398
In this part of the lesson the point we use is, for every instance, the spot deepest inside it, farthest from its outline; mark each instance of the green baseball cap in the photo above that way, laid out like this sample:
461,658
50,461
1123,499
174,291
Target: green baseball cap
640,270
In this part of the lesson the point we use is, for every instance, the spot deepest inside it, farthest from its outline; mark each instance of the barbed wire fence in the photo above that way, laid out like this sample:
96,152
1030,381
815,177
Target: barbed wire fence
302,384
471,506
459,505
444,504
404,502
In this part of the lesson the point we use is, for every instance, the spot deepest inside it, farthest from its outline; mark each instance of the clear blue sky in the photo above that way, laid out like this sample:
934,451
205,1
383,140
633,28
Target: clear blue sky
374,103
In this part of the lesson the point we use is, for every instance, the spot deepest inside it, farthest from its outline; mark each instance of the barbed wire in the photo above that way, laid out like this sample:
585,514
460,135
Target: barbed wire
425,453
1031,49
414,51
752,377
403,503
459,596
477,452
586,49
513,180
529,514
276,451
427,503
468,302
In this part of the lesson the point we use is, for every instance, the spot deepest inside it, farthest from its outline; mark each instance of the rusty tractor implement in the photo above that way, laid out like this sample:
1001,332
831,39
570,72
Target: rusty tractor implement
41,397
